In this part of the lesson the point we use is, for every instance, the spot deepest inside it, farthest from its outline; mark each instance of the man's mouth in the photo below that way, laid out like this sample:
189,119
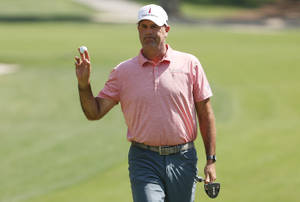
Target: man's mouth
149,37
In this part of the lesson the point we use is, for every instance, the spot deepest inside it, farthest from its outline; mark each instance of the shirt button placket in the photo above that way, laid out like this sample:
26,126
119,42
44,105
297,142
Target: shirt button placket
155,78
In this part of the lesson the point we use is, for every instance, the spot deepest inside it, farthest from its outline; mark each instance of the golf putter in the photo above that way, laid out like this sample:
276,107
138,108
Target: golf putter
212,189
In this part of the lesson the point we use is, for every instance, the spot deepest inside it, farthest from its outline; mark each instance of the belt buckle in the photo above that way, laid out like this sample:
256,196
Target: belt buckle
162,150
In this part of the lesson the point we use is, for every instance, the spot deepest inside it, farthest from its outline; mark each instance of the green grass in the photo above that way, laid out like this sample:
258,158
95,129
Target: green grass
43,8
50,153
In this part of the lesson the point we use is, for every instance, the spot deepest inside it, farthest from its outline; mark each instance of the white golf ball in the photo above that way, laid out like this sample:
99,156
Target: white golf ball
82,49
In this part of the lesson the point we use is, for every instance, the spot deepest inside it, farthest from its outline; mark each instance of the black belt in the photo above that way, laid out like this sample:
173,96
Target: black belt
165,150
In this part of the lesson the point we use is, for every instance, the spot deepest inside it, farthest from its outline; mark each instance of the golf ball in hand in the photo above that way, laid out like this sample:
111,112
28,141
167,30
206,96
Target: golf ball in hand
83,49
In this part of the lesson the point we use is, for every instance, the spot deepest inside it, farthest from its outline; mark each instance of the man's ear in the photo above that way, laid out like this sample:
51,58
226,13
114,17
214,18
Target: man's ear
167,27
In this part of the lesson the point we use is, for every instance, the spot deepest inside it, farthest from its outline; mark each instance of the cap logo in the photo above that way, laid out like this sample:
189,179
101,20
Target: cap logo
149,10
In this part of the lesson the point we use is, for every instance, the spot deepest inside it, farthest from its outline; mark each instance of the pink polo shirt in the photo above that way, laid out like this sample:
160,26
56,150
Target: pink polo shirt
157,100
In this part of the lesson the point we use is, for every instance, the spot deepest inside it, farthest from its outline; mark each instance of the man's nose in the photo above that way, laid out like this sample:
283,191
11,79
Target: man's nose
148,30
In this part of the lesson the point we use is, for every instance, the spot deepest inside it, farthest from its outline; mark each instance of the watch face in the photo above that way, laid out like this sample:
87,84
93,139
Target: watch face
215,159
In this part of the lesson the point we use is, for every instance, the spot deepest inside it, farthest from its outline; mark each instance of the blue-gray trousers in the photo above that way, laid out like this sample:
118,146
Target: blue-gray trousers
156,178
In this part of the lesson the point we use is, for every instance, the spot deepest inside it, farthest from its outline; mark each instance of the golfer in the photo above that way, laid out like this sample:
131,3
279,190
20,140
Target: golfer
161,92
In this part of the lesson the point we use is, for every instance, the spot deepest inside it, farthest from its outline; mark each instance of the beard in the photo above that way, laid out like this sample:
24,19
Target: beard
150,42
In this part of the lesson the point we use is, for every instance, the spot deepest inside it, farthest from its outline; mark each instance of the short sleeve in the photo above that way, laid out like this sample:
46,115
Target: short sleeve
111,88
201,87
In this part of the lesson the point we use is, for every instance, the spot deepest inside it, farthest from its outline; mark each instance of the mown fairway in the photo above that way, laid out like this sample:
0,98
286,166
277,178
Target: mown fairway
50,153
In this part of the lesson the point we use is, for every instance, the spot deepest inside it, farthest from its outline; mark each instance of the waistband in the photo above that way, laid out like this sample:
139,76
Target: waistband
165,150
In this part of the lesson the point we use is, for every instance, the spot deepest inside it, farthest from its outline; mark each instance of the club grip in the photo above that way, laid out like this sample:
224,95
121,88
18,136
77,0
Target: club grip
199,179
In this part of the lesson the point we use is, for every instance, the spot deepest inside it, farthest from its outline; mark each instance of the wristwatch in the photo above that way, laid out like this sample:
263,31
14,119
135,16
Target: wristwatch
211,157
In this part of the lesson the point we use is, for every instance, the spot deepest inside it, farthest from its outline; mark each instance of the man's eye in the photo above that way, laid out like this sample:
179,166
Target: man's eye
154,27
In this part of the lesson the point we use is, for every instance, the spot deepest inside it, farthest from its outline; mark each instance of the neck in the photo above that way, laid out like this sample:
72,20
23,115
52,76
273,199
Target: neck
155,54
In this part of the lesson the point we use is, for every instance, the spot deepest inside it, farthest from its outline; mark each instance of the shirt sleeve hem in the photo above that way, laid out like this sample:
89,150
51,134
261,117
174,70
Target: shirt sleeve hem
203,98
104,96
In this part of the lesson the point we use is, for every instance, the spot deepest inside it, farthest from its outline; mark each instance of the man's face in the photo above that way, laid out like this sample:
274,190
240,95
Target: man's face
152,35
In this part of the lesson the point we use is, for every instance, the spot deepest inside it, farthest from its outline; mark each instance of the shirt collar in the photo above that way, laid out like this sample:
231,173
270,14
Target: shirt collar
167,57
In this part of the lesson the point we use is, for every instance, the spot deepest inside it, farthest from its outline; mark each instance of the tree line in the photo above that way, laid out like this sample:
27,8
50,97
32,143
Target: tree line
244,3
172,6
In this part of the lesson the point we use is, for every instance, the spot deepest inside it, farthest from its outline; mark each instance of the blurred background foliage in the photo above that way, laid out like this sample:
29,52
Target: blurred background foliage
244,3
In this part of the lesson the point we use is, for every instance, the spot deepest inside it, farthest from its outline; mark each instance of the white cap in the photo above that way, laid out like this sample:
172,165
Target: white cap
154,13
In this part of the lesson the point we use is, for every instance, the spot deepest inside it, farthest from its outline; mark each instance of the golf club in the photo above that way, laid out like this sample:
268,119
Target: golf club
212,189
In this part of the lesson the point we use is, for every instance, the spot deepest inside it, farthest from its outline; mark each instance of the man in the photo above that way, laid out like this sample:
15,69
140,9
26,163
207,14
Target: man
161,92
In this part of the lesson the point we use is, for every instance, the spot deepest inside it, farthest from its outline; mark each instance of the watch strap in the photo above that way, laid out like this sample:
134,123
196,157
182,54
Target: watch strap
211,157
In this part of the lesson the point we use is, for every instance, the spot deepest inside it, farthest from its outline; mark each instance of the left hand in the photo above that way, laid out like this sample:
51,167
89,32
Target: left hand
210,172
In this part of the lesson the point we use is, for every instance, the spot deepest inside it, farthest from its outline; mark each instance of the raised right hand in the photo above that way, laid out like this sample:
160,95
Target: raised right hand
83,69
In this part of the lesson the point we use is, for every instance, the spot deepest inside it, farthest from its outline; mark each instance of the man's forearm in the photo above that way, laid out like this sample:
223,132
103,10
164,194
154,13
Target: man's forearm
207,126
208,132
89,104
